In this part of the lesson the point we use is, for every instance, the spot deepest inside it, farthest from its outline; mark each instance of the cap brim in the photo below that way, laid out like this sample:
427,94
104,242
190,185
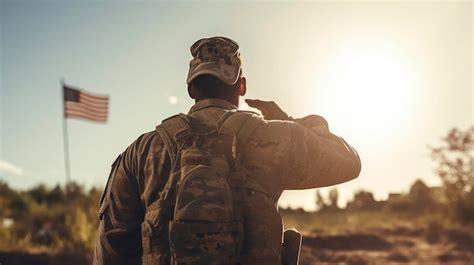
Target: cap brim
228,74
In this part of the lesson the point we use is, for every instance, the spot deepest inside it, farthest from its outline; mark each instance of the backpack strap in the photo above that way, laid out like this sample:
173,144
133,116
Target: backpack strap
242,124
174,130
239,123
223,118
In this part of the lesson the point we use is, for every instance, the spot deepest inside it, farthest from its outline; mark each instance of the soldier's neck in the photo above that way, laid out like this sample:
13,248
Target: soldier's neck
233,101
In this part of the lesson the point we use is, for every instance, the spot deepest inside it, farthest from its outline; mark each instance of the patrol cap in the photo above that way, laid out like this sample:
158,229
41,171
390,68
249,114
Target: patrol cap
216,56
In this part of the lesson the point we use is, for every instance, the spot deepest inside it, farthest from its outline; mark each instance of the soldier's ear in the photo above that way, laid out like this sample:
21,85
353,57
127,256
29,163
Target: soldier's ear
191,91
243,86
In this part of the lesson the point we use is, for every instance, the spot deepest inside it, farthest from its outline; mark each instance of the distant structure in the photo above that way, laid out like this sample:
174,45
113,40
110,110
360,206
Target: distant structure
394,196
363,200
420,198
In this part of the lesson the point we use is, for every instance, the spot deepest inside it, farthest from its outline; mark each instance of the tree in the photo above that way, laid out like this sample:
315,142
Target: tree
455,159
329,203
333,199
421,197
363,200
38,193
320,202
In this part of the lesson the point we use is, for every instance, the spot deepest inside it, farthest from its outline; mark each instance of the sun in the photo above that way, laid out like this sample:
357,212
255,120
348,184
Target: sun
373,86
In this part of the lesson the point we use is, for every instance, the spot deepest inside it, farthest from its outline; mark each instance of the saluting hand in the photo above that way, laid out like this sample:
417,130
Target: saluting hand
270,110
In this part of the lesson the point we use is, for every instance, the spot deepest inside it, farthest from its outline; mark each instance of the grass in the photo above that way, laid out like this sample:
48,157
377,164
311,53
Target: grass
342,221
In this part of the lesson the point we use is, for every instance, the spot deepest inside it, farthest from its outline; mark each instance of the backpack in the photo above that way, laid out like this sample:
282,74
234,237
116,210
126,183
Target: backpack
207,192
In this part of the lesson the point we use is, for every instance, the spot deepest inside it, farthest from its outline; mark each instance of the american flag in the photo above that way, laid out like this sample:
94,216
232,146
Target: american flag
85,105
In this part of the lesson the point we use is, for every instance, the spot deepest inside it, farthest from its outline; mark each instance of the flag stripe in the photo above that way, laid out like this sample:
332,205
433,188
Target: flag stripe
91,95
75,112
70,106
94,105
84,96
78,112
83,116
98,114
87,107
81,113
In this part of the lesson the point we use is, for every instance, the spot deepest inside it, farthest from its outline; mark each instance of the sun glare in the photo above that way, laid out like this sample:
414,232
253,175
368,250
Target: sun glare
374,85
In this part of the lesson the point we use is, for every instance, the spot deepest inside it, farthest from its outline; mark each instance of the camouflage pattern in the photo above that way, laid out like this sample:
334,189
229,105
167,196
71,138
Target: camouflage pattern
215,197
203,230
216,56
203,194
278,155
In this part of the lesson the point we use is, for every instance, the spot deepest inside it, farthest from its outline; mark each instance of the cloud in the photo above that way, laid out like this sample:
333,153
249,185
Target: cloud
7,167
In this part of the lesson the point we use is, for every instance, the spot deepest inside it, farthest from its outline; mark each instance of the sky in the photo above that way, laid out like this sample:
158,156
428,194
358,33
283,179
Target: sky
391,78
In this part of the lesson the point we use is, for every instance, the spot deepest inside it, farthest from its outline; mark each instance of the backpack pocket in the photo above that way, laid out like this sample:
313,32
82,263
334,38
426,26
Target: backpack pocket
205,242
203,230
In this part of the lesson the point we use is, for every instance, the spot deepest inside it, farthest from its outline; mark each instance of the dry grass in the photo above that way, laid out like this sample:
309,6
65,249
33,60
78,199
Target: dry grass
347,221
381,237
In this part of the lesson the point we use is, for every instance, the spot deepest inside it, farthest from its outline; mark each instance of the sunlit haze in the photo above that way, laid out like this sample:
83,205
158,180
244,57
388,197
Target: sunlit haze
390,78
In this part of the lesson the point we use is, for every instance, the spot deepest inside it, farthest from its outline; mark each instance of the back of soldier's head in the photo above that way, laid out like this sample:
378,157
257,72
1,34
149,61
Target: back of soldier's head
216,69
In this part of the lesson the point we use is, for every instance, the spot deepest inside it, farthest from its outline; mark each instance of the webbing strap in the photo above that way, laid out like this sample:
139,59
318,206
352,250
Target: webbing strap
223,118
241,124
173,131
247,129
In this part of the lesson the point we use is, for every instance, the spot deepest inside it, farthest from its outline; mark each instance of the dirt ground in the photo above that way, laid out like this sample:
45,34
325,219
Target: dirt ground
44,258
430,245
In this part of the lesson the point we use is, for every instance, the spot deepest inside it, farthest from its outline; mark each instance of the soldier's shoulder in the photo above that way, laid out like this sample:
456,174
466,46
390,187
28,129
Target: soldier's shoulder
241,119
267,126
251,115
145,140
249,112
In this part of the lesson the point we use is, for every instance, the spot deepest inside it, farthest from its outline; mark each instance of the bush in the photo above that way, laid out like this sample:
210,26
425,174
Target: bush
60,218
455,159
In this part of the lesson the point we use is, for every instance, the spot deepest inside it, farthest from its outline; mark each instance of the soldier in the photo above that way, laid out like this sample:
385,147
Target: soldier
203,187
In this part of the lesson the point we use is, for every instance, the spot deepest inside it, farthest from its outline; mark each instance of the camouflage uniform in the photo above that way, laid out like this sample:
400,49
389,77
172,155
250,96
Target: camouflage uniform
282,155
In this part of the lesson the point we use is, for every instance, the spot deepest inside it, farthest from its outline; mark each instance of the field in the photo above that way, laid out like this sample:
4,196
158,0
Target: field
336,237
419,227
381,238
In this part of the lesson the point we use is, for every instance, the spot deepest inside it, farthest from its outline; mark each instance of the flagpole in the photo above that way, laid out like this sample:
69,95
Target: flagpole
65,137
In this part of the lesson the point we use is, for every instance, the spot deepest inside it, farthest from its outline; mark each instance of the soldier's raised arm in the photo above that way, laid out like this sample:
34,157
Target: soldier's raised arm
307,153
